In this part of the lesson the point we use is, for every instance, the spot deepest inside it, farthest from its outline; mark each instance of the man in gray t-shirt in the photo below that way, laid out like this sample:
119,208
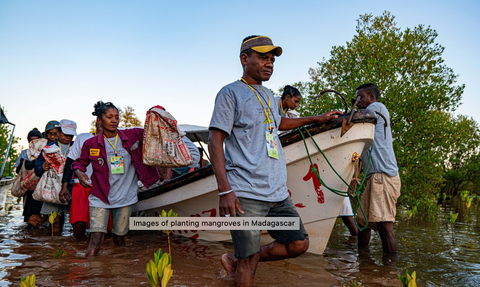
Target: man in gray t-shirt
251,171
383,182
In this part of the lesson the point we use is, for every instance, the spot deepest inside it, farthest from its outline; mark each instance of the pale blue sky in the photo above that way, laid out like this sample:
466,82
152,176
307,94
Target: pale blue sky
57,58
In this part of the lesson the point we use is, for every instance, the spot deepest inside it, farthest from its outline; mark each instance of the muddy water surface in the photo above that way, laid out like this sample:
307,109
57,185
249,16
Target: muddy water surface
426,247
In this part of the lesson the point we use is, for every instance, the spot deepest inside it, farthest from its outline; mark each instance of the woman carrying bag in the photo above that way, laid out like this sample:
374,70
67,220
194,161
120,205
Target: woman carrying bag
116,158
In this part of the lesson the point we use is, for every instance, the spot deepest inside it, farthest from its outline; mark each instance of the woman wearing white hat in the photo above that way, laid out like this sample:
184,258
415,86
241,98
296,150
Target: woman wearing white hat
67,129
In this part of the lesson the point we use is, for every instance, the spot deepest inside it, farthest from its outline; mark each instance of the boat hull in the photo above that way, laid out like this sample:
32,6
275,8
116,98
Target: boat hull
317,206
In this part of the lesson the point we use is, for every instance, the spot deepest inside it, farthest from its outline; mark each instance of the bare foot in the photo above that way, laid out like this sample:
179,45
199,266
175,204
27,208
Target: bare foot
229,262
96,240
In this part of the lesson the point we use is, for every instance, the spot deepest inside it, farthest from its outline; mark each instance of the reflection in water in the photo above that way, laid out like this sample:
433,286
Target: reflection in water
425,247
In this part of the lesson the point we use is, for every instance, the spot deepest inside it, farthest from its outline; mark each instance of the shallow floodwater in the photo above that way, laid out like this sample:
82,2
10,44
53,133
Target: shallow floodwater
425,247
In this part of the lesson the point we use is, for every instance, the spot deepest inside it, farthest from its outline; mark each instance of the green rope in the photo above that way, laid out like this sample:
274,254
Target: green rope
339,192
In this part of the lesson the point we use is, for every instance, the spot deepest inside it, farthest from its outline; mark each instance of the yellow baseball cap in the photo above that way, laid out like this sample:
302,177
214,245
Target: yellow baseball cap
261,44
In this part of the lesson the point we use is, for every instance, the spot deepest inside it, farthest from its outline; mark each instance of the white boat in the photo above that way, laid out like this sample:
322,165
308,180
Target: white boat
195,194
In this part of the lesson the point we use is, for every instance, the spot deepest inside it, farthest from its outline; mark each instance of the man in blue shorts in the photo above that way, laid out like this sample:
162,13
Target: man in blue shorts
251,175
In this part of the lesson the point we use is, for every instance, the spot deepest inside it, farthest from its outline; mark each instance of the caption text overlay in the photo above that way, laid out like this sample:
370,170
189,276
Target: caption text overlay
214,223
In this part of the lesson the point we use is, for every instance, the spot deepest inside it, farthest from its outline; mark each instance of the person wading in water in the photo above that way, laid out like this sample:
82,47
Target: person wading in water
252,178
116,158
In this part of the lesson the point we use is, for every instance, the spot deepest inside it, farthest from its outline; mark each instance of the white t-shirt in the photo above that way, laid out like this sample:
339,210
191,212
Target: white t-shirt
76,149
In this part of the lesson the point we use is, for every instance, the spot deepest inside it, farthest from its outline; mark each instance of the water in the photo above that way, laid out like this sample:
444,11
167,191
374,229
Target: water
425,247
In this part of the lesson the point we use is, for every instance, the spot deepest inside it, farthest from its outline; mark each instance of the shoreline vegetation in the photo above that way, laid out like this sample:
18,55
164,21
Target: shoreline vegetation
437,150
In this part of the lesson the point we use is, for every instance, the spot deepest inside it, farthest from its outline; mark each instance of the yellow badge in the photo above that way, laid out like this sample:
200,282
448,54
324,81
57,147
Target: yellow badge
94,152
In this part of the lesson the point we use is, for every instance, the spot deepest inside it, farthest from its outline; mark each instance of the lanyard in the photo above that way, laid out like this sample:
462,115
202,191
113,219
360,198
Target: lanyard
267,113
283,110
114,147
60,146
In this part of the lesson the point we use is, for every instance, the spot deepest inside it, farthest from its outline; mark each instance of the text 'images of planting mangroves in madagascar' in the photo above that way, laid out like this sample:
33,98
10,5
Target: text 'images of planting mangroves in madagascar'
215,223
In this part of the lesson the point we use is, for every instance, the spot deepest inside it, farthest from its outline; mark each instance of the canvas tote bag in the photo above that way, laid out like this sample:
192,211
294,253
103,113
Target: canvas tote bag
163,145
50,184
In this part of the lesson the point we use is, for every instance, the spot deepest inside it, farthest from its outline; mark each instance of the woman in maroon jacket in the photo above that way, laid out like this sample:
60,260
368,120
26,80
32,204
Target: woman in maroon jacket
116,158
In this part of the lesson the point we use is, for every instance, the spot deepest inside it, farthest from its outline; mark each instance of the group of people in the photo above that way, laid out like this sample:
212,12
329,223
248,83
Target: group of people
100,178
252,180
106,165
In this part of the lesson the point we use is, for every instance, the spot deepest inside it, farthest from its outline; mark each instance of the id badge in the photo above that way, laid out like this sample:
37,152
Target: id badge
272,145
116,164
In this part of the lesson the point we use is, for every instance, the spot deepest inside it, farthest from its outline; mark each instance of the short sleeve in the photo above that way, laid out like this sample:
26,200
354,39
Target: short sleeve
75,149
379,108
193,151
83,161
223,115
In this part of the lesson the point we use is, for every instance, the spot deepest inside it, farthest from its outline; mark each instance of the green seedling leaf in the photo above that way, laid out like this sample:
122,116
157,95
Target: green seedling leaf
469,202
28,281
52,217
60,253
167,274
157,256
152,273
162,264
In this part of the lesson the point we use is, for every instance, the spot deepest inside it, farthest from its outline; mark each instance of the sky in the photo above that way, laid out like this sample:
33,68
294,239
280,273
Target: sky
57,58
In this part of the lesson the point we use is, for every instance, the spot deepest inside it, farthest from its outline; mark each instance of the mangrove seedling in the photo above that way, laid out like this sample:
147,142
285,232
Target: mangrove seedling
28,281
169,214
468,203
452,220
60,253
411,214
464,196
160,271
52,218
409,280
354,282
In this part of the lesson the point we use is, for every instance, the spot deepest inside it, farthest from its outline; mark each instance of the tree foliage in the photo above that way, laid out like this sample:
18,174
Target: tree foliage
128,118
5,132
417,88
462,169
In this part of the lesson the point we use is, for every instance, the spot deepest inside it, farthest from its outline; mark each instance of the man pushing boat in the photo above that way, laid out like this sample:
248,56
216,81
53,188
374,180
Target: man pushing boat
383,181
251,173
